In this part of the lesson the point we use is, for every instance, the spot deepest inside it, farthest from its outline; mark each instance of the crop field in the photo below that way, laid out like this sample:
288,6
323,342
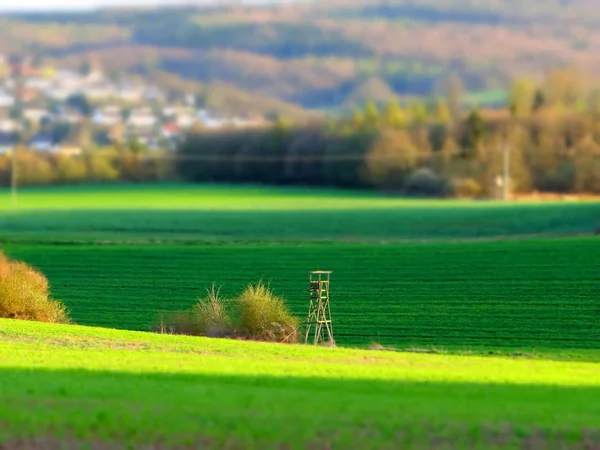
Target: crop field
176,213
531,295
73,385
450,283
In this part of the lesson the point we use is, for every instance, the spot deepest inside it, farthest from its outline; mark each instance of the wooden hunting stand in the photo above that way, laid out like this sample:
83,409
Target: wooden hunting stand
319,312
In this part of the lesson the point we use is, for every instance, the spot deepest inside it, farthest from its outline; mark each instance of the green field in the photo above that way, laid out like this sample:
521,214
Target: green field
503,298
529,295
112,389
217,214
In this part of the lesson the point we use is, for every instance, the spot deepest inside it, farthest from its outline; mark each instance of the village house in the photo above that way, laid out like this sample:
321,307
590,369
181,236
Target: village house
7,100
8,126
108,116
36,115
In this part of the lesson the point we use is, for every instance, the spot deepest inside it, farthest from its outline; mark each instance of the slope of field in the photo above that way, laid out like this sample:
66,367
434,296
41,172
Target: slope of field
193,213
531,296
111,389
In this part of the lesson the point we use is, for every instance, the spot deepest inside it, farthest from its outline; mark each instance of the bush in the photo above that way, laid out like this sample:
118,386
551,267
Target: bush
425,182
208,317
261,316
24,294
264,316
465,188
211,315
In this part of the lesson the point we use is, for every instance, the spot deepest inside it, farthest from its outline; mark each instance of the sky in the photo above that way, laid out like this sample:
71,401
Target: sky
54,5
61,5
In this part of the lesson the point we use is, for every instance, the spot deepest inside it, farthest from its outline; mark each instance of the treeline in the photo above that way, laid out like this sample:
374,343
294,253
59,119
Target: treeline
31,168
546,143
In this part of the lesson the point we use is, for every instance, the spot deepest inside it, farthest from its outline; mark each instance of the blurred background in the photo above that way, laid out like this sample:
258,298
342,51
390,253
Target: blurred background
461,98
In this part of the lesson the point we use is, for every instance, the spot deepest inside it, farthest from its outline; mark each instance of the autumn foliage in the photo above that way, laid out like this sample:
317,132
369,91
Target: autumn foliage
24,294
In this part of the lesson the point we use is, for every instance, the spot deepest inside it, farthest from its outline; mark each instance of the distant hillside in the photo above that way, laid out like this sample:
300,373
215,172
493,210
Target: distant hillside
373,89
317,56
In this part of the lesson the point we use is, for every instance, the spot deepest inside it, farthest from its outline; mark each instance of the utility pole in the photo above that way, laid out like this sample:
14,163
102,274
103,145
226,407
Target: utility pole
506,172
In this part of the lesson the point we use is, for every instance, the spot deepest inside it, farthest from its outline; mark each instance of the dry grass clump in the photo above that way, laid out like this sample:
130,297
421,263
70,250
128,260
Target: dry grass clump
208,317
264,316
24,294
259,315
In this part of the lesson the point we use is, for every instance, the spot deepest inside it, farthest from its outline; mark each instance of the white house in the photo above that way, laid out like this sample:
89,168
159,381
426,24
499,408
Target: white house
36,114
39,83
8,126
100,91
186,120
7,100
108,116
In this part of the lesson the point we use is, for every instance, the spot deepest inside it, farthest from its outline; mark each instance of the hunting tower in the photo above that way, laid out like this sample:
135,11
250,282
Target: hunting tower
319,312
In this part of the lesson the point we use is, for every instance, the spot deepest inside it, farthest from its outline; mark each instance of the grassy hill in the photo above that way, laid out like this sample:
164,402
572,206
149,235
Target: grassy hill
314,56
68,387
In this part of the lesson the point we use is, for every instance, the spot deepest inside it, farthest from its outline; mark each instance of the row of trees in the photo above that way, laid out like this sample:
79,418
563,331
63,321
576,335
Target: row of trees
546,145
103,165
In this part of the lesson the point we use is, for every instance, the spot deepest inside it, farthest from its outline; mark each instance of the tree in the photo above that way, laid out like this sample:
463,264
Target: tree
587,166
564,87
390,160
442,112
449,151
394,116
475,130
358,120
539,100
454,94
80,103
521,98
417,112
371,114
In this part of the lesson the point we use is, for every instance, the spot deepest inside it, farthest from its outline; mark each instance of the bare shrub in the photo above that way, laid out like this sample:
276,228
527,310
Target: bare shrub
264,316
208,317
261,315
211,314
24,294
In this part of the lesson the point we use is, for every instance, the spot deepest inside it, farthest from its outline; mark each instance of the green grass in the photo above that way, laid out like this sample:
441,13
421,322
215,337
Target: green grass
396,282
201,214
537,296
115,389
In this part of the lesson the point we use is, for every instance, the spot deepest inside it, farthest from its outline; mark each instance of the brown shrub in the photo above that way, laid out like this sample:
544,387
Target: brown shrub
264,316
24,294
261,316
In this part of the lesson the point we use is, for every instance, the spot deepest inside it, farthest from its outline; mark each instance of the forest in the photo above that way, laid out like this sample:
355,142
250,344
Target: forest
326,57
